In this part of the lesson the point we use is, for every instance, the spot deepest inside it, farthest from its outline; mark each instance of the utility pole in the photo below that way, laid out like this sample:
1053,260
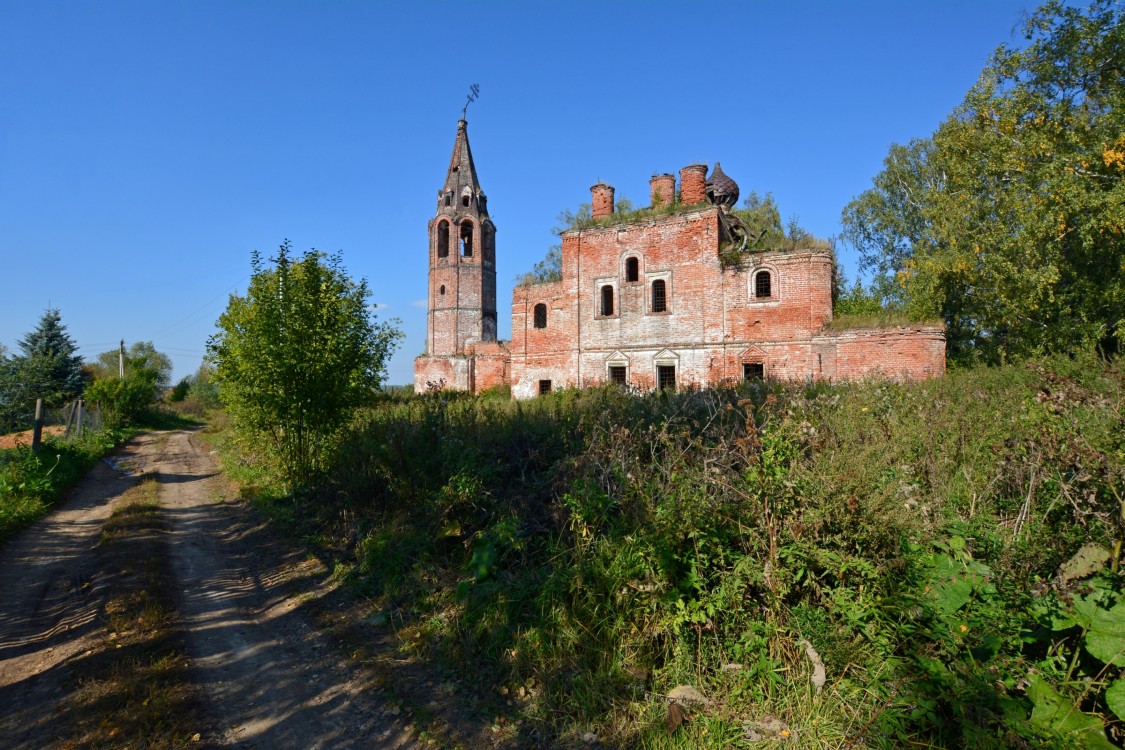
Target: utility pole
121,360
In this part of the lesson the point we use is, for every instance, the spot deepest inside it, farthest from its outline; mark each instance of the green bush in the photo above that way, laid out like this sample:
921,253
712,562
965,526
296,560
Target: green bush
123,401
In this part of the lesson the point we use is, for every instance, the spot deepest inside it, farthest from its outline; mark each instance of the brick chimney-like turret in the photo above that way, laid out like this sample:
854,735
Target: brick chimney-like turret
601,196
693,184
663,187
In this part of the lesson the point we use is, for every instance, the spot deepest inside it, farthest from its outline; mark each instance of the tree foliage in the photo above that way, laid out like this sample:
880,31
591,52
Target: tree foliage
296,355
123,401
545,271
126,401
48,366
1008,222
141,355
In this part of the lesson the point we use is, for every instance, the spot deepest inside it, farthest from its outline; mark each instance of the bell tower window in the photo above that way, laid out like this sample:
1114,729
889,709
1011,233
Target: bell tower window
443,239
467,239
540,315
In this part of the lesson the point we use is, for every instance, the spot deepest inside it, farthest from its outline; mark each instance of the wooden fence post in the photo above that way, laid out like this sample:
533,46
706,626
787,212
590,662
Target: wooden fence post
78,431
37,431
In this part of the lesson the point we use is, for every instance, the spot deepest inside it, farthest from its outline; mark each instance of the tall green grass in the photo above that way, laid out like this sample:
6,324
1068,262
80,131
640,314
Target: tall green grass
30,483
580,555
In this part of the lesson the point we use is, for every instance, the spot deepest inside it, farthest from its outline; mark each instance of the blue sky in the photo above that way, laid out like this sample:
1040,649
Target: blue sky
147,148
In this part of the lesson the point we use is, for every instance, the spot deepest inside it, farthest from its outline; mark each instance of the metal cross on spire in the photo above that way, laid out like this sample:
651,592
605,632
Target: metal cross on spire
474,92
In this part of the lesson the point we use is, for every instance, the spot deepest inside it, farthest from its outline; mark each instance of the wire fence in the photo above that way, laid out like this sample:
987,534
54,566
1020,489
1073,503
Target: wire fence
67,421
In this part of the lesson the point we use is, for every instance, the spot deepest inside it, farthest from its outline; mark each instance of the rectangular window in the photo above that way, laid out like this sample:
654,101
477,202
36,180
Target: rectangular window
666,377
617,374
659,296
753,371
544,387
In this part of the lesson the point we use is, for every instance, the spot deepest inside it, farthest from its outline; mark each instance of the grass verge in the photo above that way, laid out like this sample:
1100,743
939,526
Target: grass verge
30,483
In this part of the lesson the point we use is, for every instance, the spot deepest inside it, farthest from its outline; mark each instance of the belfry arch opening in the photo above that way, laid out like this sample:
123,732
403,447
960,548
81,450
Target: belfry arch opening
467,239
443,239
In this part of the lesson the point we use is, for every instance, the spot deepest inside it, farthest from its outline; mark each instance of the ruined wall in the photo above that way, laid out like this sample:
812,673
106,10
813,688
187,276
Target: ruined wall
902,353
711,316
431,373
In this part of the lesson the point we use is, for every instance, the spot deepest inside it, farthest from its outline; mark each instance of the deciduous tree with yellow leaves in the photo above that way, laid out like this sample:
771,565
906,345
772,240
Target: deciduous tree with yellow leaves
1009,221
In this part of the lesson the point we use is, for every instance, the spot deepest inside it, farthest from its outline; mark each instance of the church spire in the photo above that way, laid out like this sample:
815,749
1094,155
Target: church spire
462,187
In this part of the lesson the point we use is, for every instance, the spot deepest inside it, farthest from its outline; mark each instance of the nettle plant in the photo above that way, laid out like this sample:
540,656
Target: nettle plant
1083,616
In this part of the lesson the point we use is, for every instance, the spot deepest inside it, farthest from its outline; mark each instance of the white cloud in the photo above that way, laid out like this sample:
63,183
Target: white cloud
420,303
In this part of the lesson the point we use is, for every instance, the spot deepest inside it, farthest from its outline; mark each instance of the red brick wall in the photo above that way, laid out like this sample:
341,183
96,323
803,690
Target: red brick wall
490,364
905,353
441,372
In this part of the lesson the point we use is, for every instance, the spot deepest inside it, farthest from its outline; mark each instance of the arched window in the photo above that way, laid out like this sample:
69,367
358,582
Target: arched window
659,296
632,269
442,291
467,239
762,285
540,315
607,300
443,239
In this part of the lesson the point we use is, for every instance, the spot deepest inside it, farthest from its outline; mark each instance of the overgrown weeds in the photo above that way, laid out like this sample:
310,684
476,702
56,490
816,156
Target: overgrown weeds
581,555
30,483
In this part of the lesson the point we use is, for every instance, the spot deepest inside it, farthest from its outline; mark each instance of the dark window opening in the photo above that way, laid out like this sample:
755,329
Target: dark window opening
666,377
632,269
762,284
617,374
442,290
540,315
659,296
465,201
467,239
449,199
753,371
544,387
488,243
443,240
607,300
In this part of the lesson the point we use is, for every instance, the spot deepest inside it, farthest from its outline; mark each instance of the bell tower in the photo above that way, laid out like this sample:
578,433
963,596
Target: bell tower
462,293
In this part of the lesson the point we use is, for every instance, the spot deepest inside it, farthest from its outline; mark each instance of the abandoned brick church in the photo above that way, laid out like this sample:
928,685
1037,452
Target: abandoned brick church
651,301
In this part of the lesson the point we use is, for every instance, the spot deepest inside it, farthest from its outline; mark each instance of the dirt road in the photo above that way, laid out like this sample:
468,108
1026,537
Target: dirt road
268,678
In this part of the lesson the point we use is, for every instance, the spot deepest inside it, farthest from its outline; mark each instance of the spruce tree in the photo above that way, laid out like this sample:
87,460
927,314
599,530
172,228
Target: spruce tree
49,368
